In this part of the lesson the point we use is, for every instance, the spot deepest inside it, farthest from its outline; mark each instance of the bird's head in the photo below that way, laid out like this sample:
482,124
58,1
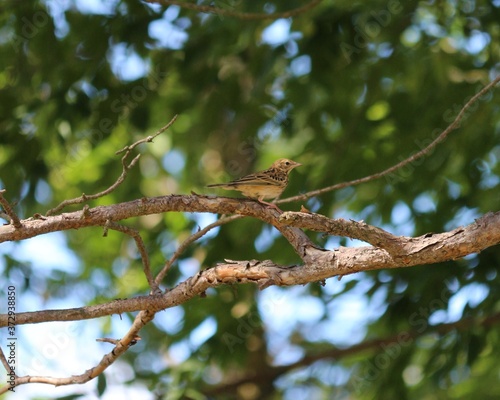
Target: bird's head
285,165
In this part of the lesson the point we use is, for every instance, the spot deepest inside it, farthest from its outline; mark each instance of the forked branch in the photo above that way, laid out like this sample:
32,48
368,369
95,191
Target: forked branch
184,245
320,265
14,219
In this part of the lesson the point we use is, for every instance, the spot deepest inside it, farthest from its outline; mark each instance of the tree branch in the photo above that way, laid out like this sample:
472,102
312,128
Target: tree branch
125,168
341,227
189,240
5,363
121,346
319,265
236,14
99,216
134,234
231,272
454,125
273,372
398,247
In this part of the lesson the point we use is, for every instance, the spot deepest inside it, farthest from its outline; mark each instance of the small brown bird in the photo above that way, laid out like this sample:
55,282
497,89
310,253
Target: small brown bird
267,184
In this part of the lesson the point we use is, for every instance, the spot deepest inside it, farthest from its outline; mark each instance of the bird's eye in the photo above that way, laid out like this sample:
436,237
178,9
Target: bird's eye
287,163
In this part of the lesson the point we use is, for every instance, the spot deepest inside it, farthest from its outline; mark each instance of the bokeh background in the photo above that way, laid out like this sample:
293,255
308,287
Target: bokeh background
347,88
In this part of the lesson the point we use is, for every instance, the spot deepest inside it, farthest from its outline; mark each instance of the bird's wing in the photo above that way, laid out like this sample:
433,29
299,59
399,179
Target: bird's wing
259,178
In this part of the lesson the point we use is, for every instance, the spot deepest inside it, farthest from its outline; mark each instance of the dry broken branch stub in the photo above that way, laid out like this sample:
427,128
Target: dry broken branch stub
14,219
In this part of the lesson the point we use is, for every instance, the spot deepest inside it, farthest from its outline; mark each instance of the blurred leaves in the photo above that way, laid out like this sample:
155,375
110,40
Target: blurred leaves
347,89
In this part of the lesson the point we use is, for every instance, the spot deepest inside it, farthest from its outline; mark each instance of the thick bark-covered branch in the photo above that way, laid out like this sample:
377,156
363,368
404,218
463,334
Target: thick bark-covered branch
319,265
405,251
98,216
389,251
341,227
231,272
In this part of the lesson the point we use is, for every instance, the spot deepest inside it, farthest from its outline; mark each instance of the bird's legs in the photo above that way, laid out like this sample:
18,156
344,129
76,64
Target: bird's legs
269,205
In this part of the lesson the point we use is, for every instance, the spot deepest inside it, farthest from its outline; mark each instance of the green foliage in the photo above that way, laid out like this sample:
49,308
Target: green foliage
351,89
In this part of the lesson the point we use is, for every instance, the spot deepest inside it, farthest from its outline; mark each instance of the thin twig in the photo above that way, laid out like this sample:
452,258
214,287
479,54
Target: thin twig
454,125
148,139
237,14
84,197
195,236
134,233
6,365
121,178
14,219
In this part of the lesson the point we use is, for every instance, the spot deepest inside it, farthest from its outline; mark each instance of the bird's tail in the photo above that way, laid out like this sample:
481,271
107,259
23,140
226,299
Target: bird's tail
217,185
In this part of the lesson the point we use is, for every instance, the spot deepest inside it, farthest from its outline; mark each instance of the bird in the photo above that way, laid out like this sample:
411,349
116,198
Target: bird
266,184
